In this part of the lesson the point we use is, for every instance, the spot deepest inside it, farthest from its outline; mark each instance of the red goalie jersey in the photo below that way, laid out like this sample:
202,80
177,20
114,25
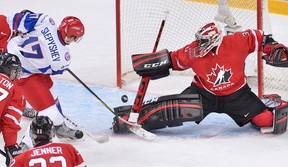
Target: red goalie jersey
221,72
52,155
11,107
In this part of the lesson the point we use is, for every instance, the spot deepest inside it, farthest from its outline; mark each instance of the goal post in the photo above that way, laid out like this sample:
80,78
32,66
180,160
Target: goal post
138,21
260,23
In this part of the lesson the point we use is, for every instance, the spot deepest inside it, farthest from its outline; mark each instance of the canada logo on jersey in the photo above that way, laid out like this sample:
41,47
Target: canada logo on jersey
219,75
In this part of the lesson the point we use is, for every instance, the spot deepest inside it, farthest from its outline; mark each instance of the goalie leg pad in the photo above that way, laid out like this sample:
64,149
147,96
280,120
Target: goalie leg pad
280,111
171,112
280,118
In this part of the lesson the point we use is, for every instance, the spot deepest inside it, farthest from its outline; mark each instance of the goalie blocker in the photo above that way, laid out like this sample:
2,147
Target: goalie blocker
280,111
154,65
160,112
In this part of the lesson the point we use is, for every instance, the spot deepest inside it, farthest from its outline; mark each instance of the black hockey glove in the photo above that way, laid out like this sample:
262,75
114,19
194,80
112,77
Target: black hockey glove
275,54
155,65
11,152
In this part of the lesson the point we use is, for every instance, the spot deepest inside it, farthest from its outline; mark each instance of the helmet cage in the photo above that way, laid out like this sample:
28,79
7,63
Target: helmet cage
207,38
41,129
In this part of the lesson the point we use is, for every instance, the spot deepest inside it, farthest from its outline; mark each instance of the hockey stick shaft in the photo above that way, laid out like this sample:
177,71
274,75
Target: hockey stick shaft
3,153
101,101
94,94
102,139
134,127
145,80
141,94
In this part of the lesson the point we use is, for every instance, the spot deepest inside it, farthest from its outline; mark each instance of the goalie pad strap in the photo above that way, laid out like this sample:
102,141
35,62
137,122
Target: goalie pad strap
280,111
280,118
155,65
171,112
171,97
169,106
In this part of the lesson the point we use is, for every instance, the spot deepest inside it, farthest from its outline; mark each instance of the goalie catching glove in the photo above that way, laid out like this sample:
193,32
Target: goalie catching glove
155,65
276,54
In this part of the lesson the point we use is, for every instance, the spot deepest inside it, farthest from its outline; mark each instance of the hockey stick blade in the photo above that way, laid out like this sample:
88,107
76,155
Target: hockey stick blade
142,133
138,130
102,139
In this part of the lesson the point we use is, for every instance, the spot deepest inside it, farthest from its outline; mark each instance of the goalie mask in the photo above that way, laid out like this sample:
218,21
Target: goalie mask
207,37
10,65
41,129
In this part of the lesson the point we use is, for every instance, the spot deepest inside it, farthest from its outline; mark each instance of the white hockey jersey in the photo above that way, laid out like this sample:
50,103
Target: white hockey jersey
40,49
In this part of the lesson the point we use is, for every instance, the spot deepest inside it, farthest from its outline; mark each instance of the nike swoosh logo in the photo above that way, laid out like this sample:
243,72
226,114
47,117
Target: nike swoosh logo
2,33
246,115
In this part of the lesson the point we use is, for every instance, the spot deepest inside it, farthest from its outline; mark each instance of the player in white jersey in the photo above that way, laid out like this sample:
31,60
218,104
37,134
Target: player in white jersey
43,52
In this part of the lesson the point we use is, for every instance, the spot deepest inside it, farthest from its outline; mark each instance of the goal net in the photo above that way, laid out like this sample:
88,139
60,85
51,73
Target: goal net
138,23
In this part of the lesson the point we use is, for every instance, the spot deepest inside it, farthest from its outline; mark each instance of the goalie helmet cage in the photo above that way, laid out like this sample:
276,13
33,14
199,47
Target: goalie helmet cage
138,22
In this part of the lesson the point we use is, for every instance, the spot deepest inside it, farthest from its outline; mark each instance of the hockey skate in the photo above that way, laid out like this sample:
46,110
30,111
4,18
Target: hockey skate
63,131
119,126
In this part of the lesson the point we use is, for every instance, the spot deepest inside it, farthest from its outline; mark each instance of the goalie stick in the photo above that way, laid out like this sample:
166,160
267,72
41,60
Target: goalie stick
145,80
135,128
102,139
137,105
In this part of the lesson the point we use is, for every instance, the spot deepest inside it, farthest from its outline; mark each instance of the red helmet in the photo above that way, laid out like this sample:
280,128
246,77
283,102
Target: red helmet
208,36
71,27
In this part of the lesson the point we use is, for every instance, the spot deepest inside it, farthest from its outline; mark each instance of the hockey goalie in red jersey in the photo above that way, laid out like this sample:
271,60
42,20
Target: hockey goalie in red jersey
219,65
46,153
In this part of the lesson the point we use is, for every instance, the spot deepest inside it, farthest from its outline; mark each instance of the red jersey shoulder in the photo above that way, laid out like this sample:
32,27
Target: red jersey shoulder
249,40
250,33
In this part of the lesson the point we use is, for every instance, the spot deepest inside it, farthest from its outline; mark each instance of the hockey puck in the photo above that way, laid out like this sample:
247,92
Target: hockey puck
79,134
124,98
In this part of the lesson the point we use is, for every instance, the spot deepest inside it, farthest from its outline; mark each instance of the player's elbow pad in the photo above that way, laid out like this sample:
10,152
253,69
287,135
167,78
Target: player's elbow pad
155,65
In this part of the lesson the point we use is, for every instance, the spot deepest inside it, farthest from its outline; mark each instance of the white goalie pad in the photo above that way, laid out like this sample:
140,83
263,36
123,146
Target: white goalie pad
224,15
